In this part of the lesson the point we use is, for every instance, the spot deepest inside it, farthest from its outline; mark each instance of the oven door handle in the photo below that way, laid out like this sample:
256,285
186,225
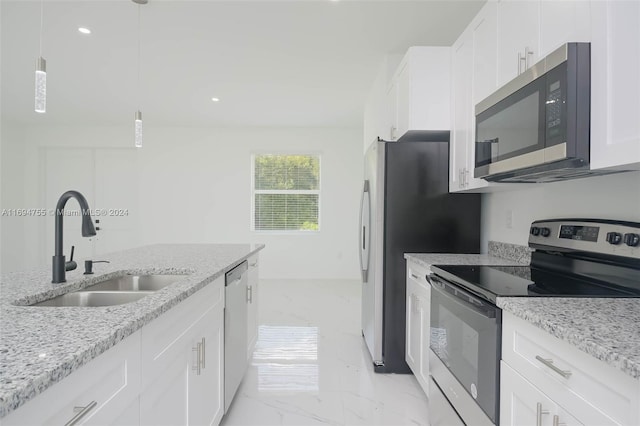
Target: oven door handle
465,298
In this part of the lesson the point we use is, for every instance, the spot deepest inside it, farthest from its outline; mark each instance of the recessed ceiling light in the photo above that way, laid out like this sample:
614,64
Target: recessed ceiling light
215,99
84,30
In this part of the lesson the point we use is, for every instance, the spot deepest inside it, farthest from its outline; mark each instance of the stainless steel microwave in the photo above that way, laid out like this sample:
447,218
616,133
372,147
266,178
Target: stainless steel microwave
536,128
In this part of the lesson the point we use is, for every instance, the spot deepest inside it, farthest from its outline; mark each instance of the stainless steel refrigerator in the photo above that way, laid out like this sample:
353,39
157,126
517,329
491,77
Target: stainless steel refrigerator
406,207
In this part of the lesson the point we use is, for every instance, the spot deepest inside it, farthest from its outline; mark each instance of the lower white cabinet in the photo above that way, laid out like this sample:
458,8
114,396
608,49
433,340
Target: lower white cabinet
572,387
103,392
521,403
252,308
417,323
183,362
171,372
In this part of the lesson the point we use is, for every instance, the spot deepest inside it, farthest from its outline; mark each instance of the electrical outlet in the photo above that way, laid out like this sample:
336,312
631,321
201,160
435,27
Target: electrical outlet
509,219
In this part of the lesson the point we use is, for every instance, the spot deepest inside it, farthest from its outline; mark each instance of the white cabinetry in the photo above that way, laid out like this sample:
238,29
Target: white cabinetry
518,33
418,95
103,392
417,323
615,84
473,65
524,404
252,308
568,383
183,362
562,22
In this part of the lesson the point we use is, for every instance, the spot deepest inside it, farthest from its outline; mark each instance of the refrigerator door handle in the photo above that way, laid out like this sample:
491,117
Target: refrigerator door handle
365,219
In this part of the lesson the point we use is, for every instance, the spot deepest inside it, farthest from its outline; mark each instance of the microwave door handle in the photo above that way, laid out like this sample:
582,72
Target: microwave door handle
463,298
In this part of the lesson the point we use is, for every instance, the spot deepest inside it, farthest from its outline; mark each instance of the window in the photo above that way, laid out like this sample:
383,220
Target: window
286,192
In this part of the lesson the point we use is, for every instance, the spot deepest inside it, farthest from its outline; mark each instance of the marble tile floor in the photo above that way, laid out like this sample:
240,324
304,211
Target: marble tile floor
311,366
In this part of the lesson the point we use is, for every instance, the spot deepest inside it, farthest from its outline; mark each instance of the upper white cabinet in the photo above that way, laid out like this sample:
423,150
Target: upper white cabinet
473,63
615,84
485,52
418,95
562,22
518,33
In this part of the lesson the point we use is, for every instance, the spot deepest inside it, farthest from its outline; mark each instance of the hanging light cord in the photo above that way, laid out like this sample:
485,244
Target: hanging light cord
41,25
138,56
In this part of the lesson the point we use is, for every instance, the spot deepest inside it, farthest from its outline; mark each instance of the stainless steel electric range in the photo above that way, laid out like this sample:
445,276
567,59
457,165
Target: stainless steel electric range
572,258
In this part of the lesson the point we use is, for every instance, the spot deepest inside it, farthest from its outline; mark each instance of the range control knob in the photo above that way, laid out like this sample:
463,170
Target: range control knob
535,230
545,232
632,240
614,238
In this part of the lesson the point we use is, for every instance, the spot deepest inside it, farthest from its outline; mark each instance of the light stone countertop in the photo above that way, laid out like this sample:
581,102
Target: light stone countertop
429,259
607,329
39,346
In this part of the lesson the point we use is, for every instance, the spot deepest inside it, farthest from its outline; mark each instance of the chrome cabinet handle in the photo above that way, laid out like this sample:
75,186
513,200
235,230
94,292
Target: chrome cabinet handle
249,294
527,54
393,133
521,59
539,413
81,412
556,421
466,177
549,363
414,276
198,367
204,343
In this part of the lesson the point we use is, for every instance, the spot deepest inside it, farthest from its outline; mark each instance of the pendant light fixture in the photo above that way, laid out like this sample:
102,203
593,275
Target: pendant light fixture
41,74
137,123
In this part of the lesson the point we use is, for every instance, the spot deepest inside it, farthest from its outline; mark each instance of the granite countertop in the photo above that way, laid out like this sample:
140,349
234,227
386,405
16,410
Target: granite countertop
41,345
606,329
429,259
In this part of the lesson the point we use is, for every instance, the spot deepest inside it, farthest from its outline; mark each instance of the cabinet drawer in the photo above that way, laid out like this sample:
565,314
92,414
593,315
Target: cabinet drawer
166,333
593,391
112,381
418,273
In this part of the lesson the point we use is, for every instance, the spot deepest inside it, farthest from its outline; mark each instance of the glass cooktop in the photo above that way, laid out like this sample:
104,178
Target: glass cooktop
512,281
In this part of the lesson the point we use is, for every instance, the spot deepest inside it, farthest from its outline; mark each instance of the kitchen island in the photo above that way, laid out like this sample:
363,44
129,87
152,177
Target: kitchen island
40,346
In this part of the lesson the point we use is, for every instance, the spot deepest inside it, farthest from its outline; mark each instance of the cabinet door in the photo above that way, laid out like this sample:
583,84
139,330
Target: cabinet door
562,22
485,52
252,309
521,403
165,400
413,328
392,107
403,100
615,86
107,386
425,334
461,111
206,369
518,32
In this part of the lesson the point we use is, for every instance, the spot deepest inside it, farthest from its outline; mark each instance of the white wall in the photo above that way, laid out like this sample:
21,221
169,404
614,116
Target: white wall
604,197
194,186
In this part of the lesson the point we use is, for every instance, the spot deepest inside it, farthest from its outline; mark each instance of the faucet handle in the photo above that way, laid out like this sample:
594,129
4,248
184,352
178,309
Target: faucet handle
71,265
88,265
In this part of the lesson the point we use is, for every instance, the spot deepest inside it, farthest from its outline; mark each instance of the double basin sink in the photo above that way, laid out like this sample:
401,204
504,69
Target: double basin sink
114,291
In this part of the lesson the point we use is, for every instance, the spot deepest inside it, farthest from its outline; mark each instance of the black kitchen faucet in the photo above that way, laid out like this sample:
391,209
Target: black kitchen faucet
59,263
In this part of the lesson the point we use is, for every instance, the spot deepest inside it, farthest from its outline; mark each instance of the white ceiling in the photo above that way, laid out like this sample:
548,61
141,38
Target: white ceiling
272,63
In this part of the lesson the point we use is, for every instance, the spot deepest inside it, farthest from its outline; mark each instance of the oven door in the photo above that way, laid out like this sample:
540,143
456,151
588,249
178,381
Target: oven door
465,336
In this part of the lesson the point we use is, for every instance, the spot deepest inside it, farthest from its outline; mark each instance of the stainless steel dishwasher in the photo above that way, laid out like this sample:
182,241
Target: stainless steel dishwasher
235,330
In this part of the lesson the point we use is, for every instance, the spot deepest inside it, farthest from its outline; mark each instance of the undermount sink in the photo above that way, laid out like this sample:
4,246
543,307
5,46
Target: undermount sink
134,283
114,291
94,298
